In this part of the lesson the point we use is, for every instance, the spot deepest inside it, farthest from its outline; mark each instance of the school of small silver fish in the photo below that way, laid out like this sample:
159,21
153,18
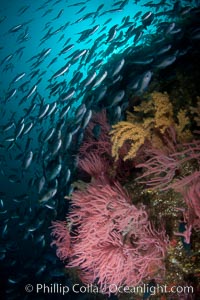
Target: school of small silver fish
60,61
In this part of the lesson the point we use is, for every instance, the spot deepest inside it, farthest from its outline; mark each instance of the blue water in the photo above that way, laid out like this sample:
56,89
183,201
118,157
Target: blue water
26,209
36,32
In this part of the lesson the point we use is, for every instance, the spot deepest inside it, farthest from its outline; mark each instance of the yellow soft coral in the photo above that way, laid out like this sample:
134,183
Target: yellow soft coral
183,134
149,118
163,117
127,131
145,107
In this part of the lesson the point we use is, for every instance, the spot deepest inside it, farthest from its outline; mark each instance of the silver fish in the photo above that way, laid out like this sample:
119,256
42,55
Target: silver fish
100,79
56,147
27,160
48,135
144,82
41,184
55,172
90,79
67,142
43,111
118,67
87,118
32,91
48,195
118,97
167,61
64,111
10,94
61,71
68,95
19,77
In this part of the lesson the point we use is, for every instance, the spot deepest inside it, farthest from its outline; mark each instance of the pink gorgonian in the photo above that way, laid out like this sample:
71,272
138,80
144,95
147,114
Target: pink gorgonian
96,138
159,169
163,168
93,165
189,187
61,235
111,241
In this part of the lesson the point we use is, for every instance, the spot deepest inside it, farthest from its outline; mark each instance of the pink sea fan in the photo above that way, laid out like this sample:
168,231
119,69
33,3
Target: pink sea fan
189,187
179,184
99,118
188,151
100,143
112,240
162,166
95,156
160,169
93,165
115,262
61,235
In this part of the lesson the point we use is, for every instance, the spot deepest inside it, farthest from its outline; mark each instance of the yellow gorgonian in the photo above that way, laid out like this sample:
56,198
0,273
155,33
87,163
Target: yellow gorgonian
126,131
163,116
149,119
183,133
